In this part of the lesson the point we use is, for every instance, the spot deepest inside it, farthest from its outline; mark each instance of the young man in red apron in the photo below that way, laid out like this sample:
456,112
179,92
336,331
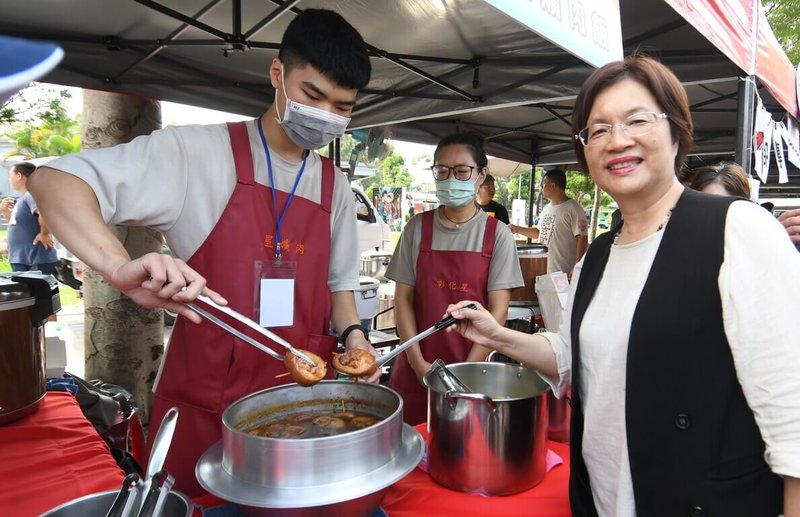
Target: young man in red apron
262,234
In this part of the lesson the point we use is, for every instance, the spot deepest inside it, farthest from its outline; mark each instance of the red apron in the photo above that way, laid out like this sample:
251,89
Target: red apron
206,369
443,277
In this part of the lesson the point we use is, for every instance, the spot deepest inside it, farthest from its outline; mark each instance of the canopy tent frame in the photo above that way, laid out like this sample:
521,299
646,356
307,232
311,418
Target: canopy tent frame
438,66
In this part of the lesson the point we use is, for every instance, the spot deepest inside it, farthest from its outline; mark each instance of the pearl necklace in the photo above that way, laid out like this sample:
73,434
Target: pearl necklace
457,223
660,226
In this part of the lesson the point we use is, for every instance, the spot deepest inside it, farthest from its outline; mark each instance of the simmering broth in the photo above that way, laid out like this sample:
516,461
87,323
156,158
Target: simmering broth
313,424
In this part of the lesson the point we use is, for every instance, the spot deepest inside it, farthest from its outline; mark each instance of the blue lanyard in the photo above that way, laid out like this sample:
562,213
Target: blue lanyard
274,196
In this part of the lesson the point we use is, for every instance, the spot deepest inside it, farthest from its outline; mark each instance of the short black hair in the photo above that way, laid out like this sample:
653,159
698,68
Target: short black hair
557,177
324,40
24,168
471,140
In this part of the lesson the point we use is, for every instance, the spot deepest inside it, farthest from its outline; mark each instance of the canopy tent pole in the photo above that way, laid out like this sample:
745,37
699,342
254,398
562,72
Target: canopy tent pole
745,111
534,155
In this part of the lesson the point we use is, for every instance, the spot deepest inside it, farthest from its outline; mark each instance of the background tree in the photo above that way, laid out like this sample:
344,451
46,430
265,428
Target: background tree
346,144
580,187
391,172
514,187
37,121
784,19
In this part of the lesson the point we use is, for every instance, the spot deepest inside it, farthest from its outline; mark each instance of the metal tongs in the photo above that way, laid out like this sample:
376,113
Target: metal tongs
146,497
448,378
129,486
441,324
250,323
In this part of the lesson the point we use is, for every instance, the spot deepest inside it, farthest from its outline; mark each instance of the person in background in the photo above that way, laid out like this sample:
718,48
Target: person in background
791,222
562,225
240,205
30,244
488,204
722,179
453,252
680,331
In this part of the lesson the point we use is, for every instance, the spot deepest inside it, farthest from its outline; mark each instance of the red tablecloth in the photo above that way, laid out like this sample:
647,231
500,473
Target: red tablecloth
51,457
417,495
55,455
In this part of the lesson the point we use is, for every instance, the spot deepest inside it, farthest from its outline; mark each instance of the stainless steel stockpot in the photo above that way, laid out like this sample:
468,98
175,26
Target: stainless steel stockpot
492,441
177,505
344,474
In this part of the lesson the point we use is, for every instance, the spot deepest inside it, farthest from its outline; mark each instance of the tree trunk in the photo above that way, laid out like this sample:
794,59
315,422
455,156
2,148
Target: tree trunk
595,213
123,342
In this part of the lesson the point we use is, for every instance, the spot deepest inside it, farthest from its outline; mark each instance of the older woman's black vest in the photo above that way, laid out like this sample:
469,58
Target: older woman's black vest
693,443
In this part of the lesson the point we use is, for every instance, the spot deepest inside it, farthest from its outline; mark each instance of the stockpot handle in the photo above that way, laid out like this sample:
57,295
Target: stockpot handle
478,397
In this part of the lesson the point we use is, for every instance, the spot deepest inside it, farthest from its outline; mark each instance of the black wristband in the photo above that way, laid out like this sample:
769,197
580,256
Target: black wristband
346,332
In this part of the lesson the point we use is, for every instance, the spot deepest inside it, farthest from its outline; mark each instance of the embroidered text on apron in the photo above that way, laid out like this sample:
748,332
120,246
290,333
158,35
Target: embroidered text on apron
443,277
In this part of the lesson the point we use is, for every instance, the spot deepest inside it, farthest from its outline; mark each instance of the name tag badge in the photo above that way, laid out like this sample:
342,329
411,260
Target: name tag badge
275,293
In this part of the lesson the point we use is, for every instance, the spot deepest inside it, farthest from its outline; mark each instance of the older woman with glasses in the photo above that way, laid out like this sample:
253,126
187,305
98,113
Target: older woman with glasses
680,334
446,255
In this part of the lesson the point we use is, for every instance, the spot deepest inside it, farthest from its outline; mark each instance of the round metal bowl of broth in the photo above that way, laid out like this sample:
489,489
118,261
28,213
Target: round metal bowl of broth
291,446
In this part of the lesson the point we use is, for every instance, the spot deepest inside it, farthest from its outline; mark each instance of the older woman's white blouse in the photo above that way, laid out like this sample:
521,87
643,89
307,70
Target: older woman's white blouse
759,284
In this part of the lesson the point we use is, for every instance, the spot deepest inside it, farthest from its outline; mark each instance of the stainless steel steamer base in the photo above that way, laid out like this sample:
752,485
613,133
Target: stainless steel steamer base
217,481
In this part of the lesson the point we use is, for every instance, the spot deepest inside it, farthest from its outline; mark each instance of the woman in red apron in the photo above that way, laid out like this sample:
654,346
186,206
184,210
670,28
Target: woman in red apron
446,255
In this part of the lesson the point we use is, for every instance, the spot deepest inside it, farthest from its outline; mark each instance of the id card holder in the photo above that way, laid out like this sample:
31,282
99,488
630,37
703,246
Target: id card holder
274,293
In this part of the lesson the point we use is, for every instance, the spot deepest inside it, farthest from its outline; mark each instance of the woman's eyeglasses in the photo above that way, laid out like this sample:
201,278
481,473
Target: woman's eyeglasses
636,125
460,172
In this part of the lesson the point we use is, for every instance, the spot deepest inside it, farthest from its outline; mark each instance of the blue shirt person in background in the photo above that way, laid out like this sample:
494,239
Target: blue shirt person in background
30,244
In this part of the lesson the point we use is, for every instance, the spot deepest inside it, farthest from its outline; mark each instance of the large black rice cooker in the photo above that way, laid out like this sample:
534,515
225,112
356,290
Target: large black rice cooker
26,301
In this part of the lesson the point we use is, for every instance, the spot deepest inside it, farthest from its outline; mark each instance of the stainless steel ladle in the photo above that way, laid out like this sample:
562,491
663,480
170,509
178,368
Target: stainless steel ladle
440,325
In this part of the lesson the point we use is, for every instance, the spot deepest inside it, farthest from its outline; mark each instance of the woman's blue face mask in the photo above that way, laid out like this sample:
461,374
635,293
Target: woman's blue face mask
455,193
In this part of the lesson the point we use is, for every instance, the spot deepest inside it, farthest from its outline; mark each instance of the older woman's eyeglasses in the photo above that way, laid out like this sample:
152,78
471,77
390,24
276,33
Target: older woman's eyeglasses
636,125
460,172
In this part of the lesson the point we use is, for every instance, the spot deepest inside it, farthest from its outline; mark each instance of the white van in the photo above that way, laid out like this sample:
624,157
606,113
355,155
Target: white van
373,232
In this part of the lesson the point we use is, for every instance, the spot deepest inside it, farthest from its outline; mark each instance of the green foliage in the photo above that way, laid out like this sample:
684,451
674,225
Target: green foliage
39,124
580,187
784,19
346,145
391,172
7,116
515,187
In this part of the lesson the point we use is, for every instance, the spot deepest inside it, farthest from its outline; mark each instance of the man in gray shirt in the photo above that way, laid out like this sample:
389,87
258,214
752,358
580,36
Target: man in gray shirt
562,225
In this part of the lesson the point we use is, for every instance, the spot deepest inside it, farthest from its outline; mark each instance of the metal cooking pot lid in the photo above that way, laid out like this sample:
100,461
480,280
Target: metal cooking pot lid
215,480
14,295
373,254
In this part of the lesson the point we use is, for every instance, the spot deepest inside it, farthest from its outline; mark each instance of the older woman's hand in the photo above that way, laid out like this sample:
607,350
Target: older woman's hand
477,325
791,221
